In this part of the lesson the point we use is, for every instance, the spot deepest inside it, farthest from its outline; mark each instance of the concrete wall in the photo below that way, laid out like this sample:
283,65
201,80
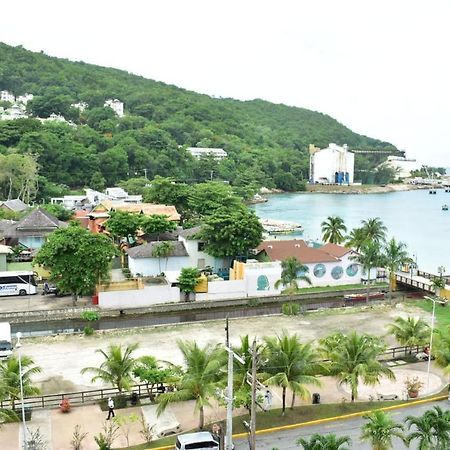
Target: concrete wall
195,256
139,298
218,290
150,266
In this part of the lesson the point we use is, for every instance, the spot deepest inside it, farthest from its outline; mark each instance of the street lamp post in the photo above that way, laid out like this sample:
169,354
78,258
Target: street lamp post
442,302
19,354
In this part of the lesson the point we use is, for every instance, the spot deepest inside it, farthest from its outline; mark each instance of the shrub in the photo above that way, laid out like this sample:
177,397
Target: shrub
88,331
290,309
253,302
126,272
90,316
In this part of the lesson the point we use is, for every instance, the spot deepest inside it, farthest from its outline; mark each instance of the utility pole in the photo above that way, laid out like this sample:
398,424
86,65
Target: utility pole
253,406
229,434
145,173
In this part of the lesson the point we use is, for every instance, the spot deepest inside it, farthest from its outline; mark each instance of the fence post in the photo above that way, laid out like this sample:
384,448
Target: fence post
43,402
82,396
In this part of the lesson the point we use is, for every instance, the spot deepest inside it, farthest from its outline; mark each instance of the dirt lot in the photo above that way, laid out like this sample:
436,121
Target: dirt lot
62,357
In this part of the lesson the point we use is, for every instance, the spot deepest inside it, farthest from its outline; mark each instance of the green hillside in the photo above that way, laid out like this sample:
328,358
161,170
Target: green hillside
267,143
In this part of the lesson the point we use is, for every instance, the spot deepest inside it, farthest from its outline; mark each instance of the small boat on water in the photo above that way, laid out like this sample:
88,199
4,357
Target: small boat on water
272,226
363,297
444,207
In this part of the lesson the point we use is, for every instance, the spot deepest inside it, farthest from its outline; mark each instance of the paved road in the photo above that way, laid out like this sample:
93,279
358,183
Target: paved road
286,440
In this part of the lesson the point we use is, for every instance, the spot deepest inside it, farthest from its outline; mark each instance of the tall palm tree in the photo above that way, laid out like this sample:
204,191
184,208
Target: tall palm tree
292,270
380,429
162,250
374,230
410,331
291,365
356,239
355,359
117,367
333,230
395,256
441,350
369,257
431,429
204,371
10,378
325,442
438,283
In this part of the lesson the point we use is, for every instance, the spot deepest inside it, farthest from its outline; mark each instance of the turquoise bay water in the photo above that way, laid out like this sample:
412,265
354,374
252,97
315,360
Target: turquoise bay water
414,217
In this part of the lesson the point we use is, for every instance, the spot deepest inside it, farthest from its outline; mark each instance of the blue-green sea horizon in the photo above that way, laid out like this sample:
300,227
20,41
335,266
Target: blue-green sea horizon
413,217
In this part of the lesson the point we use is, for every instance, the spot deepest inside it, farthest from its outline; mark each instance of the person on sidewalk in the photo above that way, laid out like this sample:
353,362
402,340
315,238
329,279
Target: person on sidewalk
110,408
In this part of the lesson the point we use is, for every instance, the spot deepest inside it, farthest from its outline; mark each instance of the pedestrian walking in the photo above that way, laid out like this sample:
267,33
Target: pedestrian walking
110,408
267,400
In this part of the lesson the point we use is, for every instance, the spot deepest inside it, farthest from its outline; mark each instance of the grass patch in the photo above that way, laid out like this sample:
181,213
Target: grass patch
20,265
338,288
442,313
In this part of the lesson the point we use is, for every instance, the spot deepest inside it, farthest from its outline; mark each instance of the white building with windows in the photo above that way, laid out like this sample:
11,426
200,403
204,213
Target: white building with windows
200,152
402,166
24,99
6,96
81,106
331,165
115,105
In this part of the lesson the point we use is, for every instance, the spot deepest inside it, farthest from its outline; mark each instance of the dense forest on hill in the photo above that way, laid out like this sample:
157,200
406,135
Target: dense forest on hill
267,143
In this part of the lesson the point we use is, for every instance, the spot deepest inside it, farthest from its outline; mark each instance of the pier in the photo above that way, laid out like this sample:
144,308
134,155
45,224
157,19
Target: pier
423,281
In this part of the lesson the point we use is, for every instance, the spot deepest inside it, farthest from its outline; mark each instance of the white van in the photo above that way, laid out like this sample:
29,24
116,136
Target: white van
5,340
197,441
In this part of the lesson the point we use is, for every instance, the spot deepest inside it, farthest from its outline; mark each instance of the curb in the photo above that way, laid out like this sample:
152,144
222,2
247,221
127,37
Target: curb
328,419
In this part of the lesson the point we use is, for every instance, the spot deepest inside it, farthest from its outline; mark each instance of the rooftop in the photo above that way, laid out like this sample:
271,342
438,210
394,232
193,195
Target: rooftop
146,250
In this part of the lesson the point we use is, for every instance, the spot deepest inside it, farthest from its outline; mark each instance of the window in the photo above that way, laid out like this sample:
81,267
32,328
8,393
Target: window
201,247
337,272
352,270
319,270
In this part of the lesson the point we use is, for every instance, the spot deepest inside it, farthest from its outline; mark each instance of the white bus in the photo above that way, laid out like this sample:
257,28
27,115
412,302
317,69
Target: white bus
17,283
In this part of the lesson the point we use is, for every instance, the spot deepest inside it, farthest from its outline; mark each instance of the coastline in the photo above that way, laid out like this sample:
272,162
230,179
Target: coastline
353,190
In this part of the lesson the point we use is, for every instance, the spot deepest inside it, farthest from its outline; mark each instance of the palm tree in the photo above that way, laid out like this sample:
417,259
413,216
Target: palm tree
291,365
395,256
356,239
333,230
374,230
369,257
380,429
432,429
325,442
441,350
117,367
410,331
10,378
292,271
354,359
162,250
438,283
204,371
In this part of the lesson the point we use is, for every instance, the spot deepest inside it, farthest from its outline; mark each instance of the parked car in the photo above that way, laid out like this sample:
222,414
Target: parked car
50,289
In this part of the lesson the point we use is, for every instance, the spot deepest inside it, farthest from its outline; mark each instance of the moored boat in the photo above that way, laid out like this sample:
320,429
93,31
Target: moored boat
363,297
444,207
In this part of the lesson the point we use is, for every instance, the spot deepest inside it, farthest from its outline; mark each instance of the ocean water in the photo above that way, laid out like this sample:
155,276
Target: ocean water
414,217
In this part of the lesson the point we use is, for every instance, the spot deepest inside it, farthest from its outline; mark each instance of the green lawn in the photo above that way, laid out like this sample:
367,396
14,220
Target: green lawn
19,266
442,313
339,288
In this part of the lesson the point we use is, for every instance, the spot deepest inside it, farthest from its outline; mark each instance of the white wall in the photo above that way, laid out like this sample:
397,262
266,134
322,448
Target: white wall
221,290
138,298
150,266
195,255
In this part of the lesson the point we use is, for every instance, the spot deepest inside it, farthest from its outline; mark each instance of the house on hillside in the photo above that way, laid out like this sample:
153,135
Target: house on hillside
187,251
148,209
201,152
32,230
330,264
14,205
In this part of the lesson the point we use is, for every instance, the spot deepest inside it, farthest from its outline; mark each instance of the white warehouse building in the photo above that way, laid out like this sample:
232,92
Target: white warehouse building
334,164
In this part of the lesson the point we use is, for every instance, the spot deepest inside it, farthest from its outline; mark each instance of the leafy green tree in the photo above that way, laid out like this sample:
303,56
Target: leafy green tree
122,224
204,371
10,378
369,257
188,279
162,250
77,259
291,365
157,224
325,442
58,211
380,429
374,230
205,199
292,270
410,331
333,230
355,359
441,349
135,186
231,232
150,371
394,256
117,366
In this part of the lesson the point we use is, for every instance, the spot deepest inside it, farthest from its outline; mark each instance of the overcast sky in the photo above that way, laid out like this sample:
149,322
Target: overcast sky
380,67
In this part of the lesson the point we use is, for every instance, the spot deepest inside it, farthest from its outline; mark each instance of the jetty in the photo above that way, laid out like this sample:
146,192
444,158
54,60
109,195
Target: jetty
273,226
